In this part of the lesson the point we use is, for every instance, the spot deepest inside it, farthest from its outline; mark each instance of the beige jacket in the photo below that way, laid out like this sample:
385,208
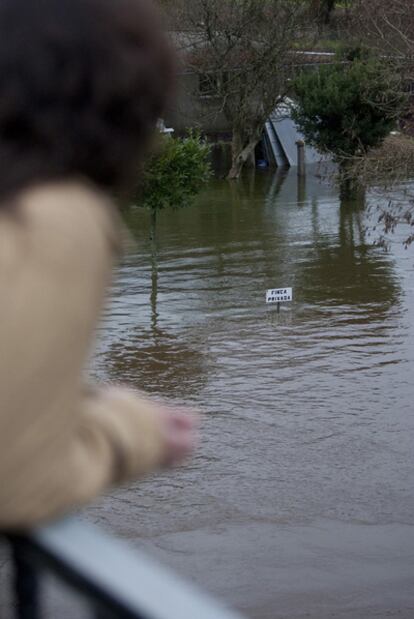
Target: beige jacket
60,443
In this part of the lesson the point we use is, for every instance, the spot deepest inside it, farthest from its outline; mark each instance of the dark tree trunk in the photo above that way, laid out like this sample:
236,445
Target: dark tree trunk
242,153
153,224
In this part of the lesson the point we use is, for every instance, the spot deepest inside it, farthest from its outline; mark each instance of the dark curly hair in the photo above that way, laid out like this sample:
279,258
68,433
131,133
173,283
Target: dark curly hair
82,83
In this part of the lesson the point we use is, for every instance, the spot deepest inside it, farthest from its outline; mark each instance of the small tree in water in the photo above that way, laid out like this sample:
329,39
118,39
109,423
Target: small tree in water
174,175
348,108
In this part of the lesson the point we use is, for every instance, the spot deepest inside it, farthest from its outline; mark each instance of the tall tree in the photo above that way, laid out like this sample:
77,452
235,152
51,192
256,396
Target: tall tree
242,52
387,25
348,108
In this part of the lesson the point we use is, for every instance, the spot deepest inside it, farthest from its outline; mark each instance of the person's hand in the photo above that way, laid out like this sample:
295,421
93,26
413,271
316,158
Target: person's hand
177,426
179,429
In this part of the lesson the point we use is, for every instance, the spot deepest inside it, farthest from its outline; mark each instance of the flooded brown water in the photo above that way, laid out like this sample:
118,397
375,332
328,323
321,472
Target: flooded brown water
300,501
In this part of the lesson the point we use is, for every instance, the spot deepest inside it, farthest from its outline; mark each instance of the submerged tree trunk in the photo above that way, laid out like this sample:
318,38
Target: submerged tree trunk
350,187
153,224
240,160
154,286
242,152
154,269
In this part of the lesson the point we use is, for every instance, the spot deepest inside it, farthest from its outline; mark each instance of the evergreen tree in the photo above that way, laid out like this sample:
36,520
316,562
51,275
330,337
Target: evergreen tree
348,108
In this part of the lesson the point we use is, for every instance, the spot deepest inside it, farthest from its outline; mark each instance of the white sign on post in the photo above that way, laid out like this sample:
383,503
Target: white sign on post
279,295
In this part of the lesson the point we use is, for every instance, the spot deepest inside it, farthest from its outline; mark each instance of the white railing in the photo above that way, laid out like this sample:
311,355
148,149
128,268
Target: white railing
116,581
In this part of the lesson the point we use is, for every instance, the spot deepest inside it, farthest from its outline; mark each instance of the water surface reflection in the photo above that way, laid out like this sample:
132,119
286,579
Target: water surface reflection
306,414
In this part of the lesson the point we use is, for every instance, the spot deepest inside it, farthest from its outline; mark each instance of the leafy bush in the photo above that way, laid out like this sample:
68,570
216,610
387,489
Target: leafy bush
175,174
348,108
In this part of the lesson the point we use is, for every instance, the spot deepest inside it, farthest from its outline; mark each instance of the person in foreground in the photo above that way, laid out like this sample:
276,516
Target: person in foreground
82,84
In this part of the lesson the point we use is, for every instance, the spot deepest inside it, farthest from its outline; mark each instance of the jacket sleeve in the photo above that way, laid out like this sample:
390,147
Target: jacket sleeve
119,435
61,443
116,436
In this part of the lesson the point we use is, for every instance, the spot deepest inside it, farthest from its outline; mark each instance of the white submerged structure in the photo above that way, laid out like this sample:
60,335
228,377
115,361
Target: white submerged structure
281,136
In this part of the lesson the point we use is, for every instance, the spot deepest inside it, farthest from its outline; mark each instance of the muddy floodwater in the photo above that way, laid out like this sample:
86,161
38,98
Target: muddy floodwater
299,501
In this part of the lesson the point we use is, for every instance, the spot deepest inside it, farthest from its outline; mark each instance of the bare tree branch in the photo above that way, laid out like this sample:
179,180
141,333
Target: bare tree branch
242,49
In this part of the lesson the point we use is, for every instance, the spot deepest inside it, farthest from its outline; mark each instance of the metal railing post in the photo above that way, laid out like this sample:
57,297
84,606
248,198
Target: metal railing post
114,581
26,582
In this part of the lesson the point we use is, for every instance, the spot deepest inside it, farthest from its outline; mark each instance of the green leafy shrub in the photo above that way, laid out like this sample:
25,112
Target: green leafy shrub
176,173
348,108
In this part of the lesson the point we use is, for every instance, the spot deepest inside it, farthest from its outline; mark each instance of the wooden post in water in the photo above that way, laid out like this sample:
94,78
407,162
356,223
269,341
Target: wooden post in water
301,158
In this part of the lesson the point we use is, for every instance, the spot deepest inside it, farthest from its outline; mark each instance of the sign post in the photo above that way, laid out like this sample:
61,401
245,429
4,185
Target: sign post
279,295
